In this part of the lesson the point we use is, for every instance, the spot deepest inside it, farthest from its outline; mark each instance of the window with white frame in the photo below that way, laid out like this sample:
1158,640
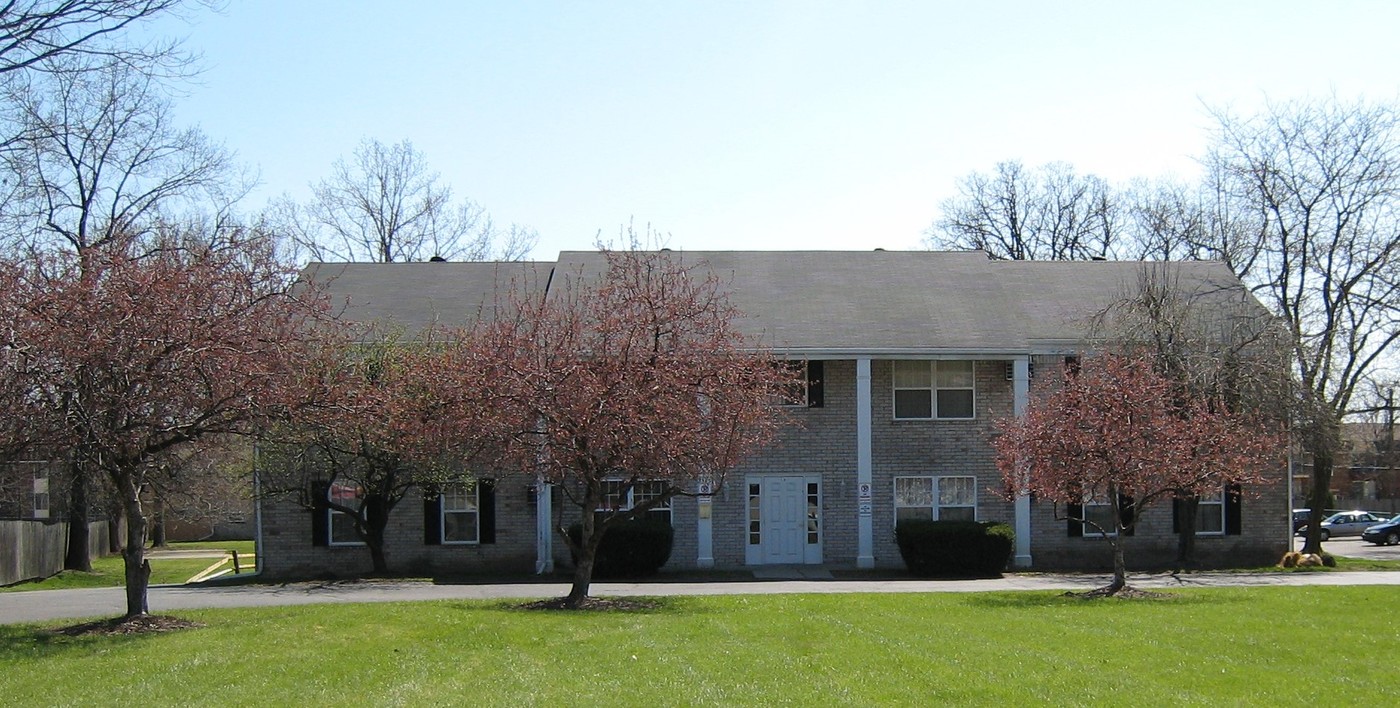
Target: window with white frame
935,498
461,518
795,393
341,526
942,390
1210,513
1097,512
643,491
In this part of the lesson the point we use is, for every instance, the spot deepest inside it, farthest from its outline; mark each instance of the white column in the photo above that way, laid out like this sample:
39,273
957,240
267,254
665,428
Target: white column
1020,396
544,533
865,535
704,529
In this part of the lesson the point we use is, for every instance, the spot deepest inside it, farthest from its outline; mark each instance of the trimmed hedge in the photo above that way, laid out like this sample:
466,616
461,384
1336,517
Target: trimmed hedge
955,548
631,548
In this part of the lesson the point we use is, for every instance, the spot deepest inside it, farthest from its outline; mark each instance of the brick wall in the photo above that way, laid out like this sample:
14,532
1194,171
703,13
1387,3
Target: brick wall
821,442
1263,538
287,550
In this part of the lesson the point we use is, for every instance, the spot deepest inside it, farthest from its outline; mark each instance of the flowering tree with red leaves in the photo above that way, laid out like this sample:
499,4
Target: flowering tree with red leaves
378,415
1117,430
637,376
125,358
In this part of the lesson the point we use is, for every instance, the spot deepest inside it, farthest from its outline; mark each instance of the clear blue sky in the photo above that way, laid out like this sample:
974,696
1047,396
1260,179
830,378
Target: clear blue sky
757,125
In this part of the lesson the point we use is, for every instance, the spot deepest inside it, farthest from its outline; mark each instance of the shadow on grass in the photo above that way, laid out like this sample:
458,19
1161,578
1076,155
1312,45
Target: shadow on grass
1035,600
21,643
594,606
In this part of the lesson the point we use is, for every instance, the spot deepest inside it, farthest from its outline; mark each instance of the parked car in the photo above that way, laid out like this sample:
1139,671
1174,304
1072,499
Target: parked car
1348,523
1386,533
1300,519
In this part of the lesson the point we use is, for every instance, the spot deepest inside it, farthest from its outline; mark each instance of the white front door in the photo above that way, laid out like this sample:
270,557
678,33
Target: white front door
784,520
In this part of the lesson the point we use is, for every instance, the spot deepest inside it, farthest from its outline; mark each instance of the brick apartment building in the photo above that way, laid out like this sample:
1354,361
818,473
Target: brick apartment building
911,358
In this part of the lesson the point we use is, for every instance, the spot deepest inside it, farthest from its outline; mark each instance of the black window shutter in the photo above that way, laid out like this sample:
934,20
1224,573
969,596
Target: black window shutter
320,514
1177,505
1075,512
432,520
486,509
816,395
1233,525
1125,514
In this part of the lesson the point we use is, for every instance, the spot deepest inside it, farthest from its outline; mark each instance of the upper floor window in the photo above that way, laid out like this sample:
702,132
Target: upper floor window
795,394
926,390
806,388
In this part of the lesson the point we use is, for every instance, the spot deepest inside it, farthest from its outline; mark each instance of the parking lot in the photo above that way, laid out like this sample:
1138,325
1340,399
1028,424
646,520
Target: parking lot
1354,547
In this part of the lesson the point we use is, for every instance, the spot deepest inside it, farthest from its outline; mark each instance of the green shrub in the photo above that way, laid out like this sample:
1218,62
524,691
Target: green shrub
631,548
954,548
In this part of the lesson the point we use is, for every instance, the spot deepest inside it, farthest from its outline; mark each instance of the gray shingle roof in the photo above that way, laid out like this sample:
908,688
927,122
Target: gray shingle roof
833,303
922,302
415,295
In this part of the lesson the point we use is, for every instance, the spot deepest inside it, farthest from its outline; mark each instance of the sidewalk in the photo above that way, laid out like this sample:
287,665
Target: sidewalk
44,605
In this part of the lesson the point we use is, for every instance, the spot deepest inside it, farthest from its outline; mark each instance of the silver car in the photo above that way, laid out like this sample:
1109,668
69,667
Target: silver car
1348,523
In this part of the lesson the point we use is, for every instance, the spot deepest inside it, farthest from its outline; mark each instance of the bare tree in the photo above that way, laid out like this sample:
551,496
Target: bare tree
384,206
1046,213
1322,182
98,159
1213,342
33,32
99,154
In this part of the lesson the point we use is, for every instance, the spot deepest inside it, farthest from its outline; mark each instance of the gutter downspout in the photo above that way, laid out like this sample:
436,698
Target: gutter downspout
1020,394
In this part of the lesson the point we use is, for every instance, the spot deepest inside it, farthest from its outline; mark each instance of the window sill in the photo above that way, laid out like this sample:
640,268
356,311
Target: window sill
934,420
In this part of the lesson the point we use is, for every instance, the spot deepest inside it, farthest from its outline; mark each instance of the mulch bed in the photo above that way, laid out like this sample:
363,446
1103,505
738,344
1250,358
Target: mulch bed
140,624
1127,592
603,604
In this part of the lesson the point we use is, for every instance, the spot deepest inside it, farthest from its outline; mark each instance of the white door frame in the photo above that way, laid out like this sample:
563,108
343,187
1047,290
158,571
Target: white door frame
768,550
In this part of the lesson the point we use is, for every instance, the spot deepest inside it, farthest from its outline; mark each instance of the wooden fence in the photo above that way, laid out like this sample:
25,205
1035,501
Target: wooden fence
35,549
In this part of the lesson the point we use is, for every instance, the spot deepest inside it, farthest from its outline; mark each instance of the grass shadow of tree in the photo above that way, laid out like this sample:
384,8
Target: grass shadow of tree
21,643
1042,600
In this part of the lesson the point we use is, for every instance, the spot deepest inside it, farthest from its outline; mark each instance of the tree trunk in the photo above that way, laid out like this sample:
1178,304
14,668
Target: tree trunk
378,561
1186,531
138,569
583,574
114,534
79,514
1120,568
158,524
590,538
1321,489
376,519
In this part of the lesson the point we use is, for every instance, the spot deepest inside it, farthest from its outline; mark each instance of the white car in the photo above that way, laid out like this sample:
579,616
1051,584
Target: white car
1347,523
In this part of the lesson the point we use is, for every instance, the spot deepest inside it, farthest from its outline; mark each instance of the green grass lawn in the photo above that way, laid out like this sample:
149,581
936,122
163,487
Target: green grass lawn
1262,646
240,546
107,571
